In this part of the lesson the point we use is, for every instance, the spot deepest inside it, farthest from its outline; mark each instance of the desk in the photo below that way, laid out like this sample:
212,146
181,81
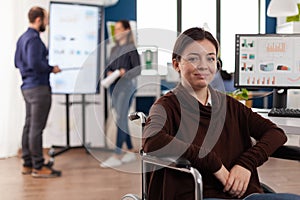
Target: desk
288,124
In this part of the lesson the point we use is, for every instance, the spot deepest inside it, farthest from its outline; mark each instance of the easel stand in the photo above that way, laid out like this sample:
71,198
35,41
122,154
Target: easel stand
52,153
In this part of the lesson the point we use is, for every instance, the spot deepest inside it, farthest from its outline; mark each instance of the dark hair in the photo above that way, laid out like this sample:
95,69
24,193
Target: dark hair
189,36
224,74
125,24
36,12
219,63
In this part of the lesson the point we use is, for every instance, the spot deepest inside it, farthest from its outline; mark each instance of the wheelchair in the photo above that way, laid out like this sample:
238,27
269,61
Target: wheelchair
184,166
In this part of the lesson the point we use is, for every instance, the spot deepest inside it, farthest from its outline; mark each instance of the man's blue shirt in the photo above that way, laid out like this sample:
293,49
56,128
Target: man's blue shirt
31,57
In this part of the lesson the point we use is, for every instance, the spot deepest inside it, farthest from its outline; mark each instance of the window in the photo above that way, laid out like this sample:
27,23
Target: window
156,25
242,18
199,13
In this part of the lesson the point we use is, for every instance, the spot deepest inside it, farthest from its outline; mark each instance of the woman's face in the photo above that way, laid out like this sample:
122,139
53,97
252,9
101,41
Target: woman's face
120,32
198,64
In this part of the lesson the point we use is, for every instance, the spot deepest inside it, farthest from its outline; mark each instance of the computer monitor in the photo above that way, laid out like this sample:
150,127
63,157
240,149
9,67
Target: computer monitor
268,61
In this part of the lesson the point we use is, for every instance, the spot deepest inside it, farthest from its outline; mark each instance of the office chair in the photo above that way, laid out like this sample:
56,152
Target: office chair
182,165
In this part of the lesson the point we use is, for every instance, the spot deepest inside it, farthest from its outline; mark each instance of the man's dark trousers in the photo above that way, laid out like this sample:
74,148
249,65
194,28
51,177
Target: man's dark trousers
38,103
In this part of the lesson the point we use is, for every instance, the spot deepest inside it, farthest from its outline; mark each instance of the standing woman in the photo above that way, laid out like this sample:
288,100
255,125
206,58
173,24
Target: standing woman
125,58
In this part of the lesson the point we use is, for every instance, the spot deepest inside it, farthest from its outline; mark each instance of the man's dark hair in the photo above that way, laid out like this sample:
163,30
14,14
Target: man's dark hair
36,12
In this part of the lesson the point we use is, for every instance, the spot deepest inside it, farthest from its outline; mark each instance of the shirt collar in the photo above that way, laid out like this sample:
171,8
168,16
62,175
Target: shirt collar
208,103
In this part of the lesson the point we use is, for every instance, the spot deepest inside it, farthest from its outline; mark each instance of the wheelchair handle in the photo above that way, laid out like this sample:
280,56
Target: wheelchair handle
138,115
133,116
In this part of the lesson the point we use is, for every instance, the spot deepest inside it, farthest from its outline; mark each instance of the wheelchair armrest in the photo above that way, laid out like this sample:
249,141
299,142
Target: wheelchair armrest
287,152
183,163
169,162
180,164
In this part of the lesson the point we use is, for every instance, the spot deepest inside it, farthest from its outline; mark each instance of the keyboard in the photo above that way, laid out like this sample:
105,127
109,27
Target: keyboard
284,112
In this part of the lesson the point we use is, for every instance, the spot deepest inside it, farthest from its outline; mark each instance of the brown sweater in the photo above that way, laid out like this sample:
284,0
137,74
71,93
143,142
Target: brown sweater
208,136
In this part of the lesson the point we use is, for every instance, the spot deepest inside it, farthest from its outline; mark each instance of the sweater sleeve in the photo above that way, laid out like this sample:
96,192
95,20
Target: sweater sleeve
159,139
268,138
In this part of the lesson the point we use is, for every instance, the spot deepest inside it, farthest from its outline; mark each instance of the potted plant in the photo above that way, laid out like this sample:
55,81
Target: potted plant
240,94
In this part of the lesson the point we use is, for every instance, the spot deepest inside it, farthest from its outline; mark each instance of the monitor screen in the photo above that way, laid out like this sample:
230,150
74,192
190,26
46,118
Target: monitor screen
74,37
267,61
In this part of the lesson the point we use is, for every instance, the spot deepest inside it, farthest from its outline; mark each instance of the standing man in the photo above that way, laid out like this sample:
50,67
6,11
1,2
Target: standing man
31,59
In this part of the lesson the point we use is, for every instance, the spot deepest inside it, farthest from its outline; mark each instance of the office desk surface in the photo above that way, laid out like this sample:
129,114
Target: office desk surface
289,124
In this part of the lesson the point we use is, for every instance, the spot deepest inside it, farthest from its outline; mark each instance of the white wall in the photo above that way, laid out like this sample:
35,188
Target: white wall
13,19
11,103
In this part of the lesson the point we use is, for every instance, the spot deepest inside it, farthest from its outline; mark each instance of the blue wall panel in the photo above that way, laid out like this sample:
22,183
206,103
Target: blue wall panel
124,9
270,21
